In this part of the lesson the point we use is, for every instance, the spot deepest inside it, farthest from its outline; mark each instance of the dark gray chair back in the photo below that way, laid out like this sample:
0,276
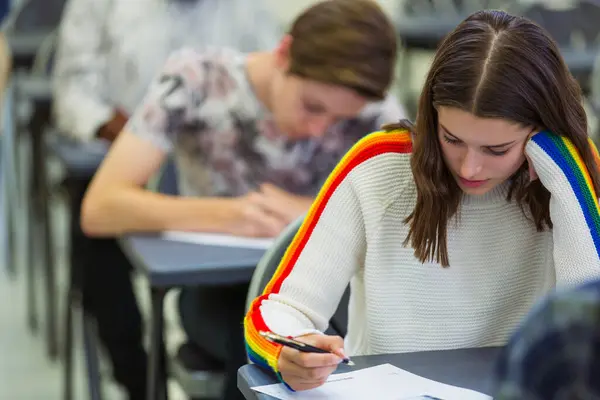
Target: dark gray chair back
455,8
36,16
567,25
268,265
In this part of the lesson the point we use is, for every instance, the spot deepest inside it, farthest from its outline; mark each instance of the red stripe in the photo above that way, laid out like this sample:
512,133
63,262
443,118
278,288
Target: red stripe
368,148
369,152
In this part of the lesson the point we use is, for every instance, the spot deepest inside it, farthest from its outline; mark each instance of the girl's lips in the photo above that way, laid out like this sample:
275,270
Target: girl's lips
471,184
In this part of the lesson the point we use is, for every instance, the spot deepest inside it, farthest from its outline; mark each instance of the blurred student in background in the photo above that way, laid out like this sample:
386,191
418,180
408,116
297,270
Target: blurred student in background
108,53
254,137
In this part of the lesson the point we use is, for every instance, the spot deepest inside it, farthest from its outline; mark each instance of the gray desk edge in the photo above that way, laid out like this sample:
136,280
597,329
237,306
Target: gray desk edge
134,257
174,279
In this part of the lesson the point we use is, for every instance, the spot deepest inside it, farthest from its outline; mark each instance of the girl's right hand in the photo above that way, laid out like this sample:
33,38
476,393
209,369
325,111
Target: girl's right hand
303,371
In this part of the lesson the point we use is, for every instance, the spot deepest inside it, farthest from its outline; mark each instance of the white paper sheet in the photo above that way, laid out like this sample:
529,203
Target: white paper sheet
217,239
382,382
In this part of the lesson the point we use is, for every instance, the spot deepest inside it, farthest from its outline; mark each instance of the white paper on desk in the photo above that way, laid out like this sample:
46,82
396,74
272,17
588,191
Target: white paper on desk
383,382
215,239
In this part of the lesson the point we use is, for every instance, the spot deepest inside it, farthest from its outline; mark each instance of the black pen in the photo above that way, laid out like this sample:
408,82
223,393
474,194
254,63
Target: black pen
294,344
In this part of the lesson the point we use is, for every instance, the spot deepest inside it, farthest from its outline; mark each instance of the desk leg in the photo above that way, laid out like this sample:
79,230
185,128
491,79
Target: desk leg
27,176
10,209
32,250
37,126
10,187
91,345
49,264
157,373
31,259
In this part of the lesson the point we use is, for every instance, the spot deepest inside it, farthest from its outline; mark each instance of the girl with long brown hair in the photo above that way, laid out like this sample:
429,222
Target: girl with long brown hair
449,230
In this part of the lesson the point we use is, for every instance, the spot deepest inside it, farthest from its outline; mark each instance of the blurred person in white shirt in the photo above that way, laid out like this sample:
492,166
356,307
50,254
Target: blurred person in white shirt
108,52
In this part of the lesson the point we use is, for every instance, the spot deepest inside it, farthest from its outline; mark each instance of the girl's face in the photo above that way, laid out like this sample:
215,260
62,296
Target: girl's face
481,153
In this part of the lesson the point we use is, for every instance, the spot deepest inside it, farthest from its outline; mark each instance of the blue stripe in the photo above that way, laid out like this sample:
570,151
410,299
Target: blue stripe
253,356
559,153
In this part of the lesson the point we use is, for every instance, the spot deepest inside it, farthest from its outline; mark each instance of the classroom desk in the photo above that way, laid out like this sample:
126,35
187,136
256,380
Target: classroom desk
467,368
168,264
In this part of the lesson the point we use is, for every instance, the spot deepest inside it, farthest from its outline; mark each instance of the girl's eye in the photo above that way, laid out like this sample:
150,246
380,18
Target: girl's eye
450,140
497,153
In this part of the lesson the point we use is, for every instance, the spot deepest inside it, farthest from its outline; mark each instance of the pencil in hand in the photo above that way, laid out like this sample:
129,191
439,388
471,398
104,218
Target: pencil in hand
300,346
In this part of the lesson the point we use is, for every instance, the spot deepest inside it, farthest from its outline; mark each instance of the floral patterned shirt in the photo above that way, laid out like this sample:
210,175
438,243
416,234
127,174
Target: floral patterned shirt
202,109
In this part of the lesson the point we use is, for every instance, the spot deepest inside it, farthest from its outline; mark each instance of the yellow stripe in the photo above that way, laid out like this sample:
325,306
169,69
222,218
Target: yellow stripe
375,137
581,166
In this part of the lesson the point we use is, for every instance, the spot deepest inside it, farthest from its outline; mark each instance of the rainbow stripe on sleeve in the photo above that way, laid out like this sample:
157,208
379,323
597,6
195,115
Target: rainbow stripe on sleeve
564,154
265,353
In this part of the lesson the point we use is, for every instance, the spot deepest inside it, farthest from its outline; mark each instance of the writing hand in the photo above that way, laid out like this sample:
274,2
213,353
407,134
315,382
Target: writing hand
283,204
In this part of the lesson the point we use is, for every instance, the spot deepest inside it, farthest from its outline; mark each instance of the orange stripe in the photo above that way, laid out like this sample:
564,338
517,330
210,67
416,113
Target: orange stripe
372,145
595,152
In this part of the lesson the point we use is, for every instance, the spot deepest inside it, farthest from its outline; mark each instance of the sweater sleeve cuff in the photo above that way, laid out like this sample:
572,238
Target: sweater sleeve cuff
555,159
254,357
576,212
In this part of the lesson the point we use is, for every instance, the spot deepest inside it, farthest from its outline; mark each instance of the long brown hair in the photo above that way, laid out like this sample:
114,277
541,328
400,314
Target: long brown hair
349,43
493,65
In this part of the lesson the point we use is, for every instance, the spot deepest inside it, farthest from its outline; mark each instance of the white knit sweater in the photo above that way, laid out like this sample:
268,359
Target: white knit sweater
499,264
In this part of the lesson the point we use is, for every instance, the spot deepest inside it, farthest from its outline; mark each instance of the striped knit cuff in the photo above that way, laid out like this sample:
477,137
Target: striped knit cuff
561,170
